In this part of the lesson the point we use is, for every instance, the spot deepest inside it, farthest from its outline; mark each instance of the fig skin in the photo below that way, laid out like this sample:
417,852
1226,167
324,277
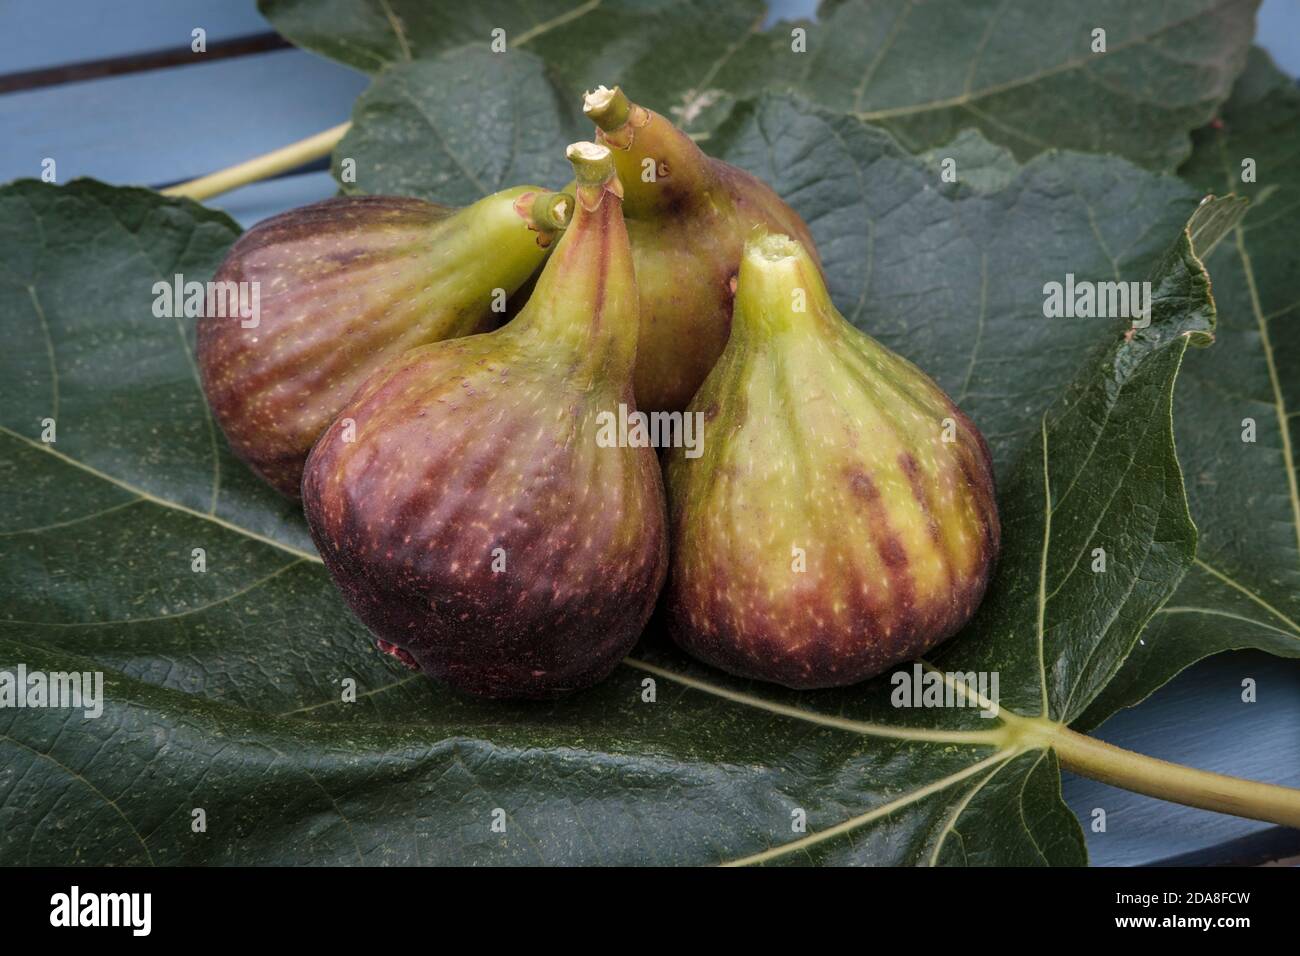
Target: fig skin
688,230
345,285
488,442
818,438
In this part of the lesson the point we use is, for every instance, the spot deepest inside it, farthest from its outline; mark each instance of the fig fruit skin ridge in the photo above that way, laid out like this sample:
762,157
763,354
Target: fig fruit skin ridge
821,442
688,228
345,285
474,525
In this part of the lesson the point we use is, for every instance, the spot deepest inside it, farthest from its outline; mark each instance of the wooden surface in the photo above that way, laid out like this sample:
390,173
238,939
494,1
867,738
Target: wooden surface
165,125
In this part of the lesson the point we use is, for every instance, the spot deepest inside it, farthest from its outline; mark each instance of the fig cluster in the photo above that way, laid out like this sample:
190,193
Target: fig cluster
439,386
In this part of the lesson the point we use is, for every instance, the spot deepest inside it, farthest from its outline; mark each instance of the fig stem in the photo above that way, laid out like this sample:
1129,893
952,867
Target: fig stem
608,109
261,167
593,165
551,211
663,171
778,288
1098,760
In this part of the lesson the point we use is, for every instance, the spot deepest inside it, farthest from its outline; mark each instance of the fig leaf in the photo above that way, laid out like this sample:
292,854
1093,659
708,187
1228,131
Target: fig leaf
1244,589
1029,76
454,128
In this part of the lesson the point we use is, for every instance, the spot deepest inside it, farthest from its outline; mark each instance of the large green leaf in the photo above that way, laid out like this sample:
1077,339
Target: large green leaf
456,127
76,291
225,687
1023,72
659,47
1244,590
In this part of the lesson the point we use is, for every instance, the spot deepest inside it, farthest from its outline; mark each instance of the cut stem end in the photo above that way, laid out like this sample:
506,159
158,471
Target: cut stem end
593,164
773,247
608,109
552,211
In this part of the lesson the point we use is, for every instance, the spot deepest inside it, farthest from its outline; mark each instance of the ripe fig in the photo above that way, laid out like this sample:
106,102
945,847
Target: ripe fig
840,517
343,286
475,524
688,217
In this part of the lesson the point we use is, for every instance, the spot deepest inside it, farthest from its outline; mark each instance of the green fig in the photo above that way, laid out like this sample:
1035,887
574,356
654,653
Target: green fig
464,503
343,286
840,516
688,217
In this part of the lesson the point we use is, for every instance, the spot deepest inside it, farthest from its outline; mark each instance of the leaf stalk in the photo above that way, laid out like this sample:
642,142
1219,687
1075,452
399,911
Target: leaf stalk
1098,760
262,167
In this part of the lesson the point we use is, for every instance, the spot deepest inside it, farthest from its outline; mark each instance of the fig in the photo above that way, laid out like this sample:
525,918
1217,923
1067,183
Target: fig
840,516
343,286
464,502
688,217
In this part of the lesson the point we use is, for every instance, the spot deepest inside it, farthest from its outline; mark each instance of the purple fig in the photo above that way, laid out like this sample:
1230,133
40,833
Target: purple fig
839,517
688,217
343,286
464,502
